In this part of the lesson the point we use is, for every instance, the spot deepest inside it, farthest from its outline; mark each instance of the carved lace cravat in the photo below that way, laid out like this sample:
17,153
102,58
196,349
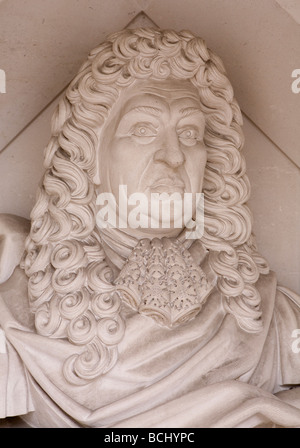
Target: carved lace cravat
161,280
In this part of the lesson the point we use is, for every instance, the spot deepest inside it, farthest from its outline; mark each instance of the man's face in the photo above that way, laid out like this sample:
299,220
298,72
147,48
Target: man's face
153,140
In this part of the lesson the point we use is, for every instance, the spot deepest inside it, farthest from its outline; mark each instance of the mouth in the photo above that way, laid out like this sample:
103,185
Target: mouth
168,185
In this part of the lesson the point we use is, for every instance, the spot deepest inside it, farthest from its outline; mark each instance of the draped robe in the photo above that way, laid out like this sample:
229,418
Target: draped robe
207,372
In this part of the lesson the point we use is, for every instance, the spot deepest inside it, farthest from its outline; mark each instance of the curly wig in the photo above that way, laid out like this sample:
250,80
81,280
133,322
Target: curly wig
70,285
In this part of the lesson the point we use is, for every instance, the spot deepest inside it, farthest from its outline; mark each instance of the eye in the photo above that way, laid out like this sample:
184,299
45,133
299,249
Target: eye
145,130
188,136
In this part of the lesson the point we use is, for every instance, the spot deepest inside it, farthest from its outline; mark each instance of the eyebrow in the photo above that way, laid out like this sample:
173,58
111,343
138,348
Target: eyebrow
186,111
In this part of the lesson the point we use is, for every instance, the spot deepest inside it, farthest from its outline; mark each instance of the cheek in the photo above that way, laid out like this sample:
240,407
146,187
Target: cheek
195,166
126,152
126,163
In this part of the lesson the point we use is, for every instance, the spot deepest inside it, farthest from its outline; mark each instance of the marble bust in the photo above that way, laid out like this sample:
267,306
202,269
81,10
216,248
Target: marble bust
137,325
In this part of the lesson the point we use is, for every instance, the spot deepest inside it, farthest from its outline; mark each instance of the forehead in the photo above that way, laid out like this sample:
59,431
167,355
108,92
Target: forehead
160,94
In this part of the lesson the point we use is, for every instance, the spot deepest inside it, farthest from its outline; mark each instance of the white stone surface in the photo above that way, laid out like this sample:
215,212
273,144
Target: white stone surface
40,52
91,296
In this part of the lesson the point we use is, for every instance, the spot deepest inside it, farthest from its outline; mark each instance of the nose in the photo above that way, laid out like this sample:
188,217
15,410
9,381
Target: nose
170,152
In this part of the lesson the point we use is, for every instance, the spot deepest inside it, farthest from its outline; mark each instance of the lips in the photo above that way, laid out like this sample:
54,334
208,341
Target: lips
168,185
